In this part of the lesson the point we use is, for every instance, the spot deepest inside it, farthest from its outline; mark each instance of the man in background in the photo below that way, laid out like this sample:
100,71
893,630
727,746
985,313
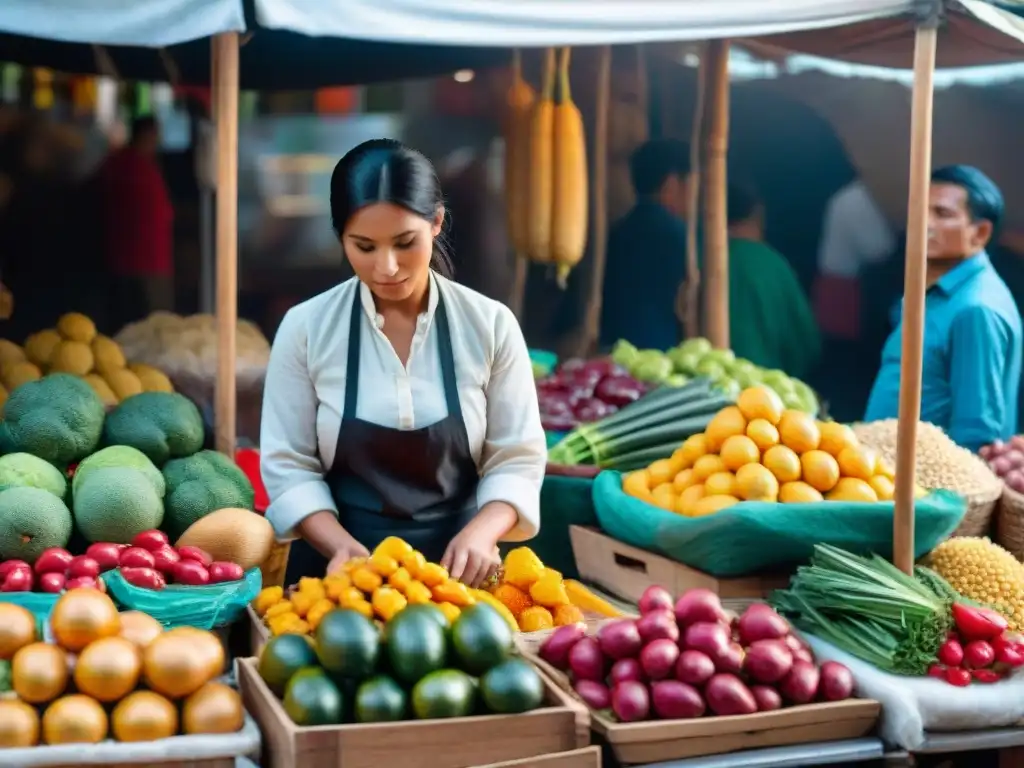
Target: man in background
972,346
770,319
137,222
646,258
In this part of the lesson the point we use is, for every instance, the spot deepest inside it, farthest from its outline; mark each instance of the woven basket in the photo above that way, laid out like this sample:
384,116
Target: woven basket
529,643
1010,522
978,519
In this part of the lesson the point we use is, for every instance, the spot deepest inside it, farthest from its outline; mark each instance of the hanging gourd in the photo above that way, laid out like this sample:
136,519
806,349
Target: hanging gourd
83,95
519,111
569,188
42,94
541,173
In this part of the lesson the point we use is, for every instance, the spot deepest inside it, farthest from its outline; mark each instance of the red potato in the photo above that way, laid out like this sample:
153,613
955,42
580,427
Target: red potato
800,686
694,668
107,555
706,637
53,560
9,565
195,554
147,578
52,582
221,572
761,622
83,565
586,660
699,606
191,573
727,695
836,682
672,700
619,639
631,702
151,540
164,560
655,598
767,698
594,694
657,625
555,650
18,580
626,669
136,557
768,661
659,658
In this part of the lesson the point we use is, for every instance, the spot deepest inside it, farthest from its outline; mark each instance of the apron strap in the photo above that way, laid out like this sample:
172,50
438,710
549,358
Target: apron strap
355,328
444,350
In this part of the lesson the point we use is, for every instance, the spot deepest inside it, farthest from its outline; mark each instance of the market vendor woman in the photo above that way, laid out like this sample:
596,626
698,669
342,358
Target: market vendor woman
399,403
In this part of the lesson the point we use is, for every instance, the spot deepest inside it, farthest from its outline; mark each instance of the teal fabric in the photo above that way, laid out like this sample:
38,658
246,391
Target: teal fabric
754,537
543,359
207,607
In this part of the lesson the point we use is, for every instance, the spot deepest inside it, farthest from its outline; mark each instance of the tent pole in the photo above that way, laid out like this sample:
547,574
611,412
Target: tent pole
599,197
914,293
689,311
225,100
716,230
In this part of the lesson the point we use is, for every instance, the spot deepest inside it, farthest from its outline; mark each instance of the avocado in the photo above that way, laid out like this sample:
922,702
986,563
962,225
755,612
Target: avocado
512,687
416,645
347,644
444,693
380,700
312,698
282,657
481,638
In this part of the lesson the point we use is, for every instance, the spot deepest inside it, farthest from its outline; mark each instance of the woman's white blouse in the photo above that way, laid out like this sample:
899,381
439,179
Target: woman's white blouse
304,398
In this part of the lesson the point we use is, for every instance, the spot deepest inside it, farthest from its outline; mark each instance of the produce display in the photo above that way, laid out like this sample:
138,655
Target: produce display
395,575
1006,460
941,463
421,665
539,598
583,391
759,450
729,374
74,347
902,624
108,676
642,432
982,571
689,658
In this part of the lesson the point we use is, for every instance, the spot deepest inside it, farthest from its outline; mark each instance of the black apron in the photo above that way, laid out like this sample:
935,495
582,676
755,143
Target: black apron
417,484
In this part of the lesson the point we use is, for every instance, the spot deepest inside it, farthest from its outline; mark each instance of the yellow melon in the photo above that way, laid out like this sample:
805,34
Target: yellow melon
233,536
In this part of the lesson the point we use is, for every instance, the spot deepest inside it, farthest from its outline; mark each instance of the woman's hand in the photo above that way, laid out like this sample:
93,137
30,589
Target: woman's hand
346,551
472,556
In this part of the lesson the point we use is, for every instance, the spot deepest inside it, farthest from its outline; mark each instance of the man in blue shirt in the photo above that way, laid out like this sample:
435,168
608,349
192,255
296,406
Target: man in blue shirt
646,258
973,337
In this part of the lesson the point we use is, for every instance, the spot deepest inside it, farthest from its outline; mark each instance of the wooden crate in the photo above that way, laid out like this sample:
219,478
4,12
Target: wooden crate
658,741
626,571
561,726
259,633
577,758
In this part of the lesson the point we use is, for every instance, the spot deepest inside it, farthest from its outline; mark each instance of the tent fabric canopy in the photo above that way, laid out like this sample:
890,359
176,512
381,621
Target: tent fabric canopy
121,22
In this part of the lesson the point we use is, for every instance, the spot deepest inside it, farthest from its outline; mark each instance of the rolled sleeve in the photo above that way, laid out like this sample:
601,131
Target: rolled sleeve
289,460
979,349
515,450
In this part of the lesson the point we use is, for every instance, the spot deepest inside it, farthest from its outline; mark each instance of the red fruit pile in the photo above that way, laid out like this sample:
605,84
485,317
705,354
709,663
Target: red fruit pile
980,648
54,571
689,657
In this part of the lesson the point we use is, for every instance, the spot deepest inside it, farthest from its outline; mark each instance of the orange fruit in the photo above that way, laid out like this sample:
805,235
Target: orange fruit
739,450
851,489
760,403
81,616
214,708
109,669
75,719
857,461
711,504
413,561
755,483
19,724
763,433
798,492
39,673
144,716
17,629
706,466
140,628
692,449
664,496
683,480
820,470
175,667
393,547
720,484
727,422
835,437
688,498
661,471
885,469
799,431
783,463
883,487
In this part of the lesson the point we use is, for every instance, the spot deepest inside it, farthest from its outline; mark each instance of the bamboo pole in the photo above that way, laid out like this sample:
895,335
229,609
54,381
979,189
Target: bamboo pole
689,294
914,294
716,234
225,109
599,197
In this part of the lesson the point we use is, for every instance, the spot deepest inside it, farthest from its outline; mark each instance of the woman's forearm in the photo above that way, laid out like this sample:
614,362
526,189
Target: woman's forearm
324,533
497,518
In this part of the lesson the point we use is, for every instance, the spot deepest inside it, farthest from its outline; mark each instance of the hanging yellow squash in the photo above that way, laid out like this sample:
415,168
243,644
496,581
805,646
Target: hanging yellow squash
540,167
569,187
518,118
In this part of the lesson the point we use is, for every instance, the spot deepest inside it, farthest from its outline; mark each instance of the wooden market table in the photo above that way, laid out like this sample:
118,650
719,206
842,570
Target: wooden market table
798,756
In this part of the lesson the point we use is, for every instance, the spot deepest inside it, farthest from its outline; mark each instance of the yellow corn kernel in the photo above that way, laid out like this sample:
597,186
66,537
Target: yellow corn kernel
266,599
432,574
320,608
366,580
985,572
279,608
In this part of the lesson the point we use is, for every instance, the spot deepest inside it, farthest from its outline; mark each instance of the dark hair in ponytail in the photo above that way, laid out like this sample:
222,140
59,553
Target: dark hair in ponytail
387,171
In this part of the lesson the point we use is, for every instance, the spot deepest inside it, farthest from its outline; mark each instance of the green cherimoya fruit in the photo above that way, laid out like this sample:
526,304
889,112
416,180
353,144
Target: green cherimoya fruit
163,425
57,418
116,503
31,520
116,456
25,470
201,484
